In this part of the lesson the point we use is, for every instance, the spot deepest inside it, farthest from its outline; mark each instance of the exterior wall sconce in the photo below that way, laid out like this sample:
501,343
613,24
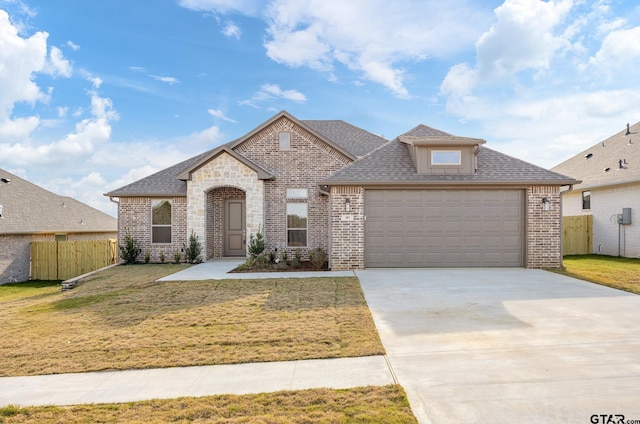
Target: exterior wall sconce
347,205
546,203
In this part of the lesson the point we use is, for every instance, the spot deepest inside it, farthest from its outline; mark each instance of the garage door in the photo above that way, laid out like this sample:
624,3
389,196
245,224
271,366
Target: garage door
444,228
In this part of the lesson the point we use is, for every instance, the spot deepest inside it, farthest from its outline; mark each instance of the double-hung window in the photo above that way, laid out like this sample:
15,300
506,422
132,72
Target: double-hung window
297,217
161,221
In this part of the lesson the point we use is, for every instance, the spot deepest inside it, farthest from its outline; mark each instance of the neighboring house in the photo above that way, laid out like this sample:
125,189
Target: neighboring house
424,199
610,174
30,213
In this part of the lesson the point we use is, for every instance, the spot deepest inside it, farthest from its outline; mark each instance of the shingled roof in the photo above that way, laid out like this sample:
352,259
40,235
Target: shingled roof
351,138
599,165
392,164
30,209
167,182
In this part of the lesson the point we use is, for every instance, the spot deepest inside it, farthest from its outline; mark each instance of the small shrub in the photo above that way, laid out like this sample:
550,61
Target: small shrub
176,256
297,259
285,257
131,249
272,257
192,251
318,257
162,257
147,257
256,244
259,262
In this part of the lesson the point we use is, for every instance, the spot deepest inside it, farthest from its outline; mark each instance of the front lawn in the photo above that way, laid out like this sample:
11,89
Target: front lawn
612,271
122,319
387,404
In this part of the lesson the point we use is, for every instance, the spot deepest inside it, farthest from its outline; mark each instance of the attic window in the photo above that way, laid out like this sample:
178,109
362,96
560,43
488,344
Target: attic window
284,138
446,157
588,155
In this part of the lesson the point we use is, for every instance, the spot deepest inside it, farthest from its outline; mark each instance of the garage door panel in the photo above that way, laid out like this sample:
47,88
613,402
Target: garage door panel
444,228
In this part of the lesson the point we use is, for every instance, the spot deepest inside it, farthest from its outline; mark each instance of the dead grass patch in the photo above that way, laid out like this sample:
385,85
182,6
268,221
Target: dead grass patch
122,319
386,404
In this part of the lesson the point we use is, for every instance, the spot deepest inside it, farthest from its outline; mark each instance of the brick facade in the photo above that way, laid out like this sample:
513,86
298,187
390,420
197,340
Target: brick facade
347,228
307,161
134,217
544,228
15,252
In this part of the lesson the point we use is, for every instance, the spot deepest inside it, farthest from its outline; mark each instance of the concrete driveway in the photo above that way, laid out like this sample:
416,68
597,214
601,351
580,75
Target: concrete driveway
508,345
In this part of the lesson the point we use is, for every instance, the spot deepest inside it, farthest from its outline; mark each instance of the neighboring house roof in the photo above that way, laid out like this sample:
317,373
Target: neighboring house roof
391,164
591,165
345,138
29,209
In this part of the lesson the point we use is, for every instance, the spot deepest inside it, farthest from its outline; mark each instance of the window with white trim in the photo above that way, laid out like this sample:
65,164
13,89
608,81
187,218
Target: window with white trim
446,157
296,224
161,221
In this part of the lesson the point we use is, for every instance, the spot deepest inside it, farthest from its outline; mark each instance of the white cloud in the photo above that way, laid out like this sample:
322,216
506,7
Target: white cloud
245,7
231,30
20,59
73,45
57,64
525,37
209,137
269,92
220,115
370,37
274,90
619,49
168,80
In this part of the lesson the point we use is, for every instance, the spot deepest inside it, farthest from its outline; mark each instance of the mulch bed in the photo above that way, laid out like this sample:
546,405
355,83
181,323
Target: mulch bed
304,266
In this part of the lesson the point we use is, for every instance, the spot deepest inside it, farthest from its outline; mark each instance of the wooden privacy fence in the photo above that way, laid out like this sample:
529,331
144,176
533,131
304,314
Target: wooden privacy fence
61,260
577,235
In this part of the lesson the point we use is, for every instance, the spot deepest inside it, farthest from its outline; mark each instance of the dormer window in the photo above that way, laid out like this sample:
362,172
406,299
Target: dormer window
446,157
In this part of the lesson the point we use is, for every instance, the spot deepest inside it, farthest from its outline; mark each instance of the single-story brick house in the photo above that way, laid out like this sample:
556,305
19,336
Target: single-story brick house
609,191
31,213
423,199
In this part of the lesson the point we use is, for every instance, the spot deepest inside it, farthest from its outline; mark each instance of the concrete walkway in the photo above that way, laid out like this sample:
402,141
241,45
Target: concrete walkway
218,269
166,383
508,345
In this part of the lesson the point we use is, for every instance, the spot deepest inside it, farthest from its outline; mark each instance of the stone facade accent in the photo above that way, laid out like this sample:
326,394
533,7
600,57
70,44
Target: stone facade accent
15,255
134,217
223,171
544,228
307,161
215,218
347,228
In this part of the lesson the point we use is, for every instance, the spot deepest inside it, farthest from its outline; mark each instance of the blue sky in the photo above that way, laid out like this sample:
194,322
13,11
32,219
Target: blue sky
96,94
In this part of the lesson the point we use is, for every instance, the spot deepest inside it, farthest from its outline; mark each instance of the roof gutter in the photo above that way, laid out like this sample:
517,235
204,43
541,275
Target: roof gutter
323,189
449,183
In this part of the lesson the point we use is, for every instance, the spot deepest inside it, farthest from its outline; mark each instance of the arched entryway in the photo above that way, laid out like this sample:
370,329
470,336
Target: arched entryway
226,222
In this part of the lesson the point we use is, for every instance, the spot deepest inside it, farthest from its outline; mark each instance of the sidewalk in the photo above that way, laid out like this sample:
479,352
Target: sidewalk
166,383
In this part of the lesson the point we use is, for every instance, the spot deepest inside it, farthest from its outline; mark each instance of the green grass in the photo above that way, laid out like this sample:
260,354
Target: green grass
386,404
16,291
611,271
121,318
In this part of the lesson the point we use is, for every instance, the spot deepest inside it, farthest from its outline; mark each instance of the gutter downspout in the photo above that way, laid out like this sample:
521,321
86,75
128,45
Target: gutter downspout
570,189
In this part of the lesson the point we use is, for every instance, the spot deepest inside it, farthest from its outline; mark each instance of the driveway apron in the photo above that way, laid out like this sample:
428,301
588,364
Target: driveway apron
508,345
